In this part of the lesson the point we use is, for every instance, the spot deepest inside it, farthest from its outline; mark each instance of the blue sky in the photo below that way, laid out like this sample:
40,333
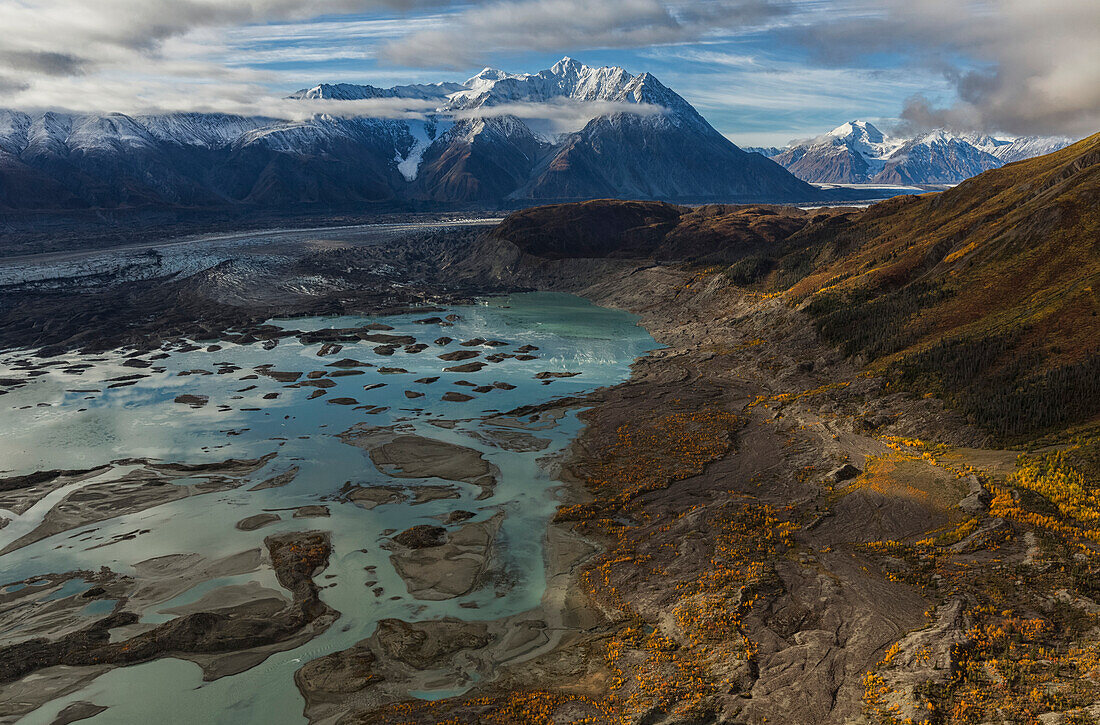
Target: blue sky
761,71
755,86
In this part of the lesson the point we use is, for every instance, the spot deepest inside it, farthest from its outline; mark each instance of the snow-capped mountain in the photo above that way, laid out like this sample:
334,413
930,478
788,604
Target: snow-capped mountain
571,131
1025,147
852,152
935,158
667,152
352,92
858,152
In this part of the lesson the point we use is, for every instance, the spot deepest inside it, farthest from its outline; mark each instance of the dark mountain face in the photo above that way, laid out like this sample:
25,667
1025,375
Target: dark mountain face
835,164
601,228
667,157
481,161
609,228
942,161
263,178
321,163
470,150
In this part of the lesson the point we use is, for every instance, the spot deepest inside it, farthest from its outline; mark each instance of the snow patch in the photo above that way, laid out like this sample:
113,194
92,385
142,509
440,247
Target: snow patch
423,133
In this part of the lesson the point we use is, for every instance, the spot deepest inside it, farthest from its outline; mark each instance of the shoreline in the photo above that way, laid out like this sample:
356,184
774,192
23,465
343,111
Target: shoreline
544,628
747,486
749,528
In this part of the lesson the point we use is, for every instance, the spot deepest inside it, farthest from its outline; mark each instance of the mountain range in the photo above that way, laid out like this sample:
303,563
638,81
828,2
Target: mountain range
858,153
490,140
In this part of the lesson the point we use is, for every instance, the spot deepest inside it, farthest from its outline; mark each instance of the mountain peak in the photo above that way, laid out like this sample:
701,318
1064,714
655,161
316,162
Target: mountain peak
856,129
487,74
646,88
565,65
337,91
938,135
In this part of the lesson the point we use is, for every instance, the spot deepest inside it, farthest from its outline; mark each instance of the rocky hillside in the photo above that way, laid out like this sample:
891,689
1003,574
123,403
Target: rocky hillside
986,293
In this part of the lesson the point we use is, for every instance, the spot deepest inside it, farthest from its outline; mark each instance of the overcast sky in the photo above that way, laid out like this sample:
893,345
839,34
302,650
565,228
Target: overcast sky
761,71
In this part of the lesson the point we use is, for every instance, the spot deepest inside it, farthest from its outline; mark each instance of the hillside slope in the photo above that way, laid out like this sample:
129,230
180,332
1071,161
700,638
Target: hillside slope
986,294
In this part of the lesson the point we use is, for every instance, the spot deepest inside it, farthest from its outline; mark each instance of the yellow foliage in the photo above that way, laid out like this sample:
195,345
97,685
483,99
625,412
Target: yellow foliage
1055,478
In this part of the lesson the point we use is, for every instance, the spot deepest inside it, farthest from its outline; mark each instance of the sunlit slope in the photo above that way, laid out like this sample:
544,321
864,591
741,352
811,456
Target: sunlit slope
989,292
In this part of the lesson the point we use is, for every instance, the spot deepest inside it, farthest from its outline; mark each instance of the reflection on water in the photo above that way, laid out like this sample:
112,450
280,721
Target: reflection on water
69,421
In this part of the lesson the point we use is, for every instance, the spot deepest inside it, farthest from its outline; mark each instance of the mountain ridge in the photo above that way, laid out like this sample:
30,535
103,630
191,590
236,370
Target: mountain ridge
858,152
482,141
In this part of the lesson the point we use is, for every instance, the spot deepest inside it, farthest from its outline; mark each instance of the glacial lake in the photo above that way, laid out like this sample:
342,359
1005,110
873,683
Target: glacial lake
56,422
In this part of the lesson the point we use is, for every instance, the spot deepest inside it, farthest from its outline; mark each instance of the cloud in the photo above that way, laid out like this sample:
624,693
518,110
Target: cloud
143,24
560,115
44,38
246,100
303,110
1017,66
557,116
134,56
557,25
41,61
11,85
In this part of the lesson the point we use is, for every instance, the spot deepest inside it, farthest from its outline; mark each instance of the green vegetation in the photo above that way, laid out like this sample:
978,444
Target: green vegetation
986,294
874,326
992,379
750,269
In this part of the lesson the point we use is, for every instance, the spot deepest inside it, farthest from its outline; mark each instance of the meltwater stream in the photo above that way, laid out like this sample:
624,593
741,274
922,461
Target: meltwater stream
56,421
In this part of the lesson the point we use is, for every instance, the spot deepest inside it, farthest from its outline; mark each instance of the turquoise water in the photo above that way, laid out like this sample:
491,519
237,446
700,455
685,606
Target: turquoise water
77,430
